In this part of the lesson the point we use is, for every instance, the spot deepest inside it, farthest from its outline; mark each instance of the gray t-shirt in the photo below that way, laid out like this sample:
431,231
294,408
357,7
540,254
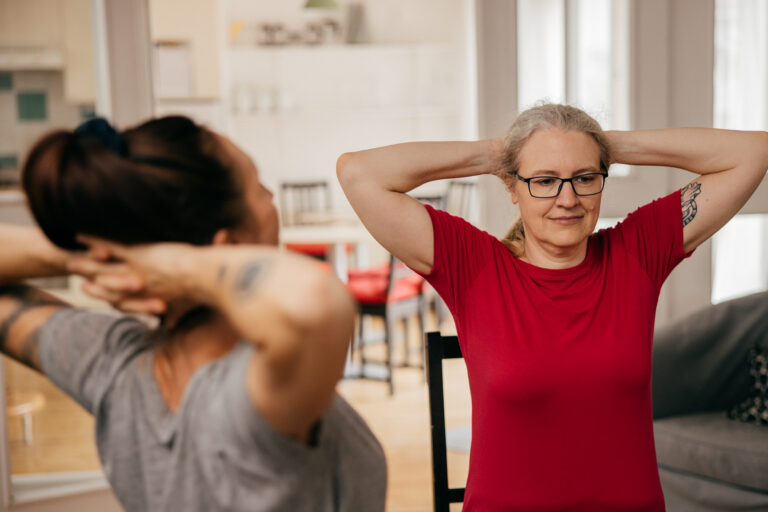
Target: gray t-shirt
216,452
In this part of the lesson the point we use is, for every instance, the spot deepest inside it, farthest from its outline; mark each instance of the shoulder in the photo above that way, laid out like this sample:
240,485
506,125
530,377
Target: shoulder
661,209
449,229
83,351
103,331
656,216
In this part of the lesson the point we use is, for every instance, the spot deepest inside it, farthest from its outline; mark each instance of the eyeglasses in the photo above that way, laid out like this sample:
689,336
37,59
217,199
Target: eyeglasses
545,187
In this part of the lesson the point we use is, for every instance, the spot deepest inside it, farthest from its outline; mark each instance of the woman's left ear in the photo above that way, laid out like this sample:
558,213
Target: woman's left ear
513,194
510,182
223,237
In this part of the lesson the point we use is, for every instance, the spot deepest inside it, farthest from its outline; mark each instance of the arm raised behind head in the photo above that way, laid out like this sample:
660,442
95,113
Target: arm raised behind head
376,180
298,317
731,164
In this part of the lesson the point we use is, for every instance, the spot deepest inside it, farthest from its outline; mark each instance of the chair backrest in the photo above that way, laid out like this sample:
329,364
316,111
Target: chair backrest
435,201
298,198
438,348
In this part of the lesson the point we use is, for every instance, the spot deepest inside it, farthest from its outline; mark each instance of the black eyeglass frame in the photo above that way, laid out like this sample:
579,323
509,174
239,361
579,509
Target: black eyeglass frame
527,181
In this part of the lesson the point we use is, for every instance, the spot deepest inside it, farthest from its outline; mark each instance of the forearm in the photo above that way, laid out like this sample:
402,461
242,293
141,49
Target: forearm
403,167
27,253
699,150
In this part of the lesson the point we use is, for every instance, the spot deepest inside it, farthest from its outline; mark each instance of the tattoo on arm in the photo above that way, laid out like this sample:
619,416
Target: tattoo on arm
222,273
247,277
27,299
5,327
688,201
30,350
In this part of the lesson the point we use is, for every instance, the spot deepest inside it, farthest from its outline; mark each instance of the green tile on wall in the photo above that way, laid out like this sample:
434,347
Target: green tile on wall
87,112
9,162
10,175
6,81
32,106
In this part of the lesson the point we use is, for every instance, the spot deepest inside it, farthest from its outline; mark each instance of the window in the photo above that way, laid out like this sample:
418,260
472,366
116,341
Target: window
589,57
740,249
540,51
576,51
741,64
739,254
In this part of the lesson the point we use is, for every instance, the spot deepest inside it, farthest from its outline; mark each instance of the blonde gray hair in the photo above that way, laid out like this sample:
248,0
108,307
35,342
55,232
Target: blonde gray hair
528,122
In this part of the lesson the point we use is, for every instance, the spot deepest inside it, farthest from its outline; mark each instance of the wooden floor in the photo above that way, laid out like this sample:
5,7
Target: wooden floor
401,422
63,437
63,432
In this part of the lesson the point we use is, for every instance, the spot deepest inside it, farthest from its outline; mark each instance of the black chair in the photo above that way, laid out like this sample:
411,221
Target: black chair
440,347
299,198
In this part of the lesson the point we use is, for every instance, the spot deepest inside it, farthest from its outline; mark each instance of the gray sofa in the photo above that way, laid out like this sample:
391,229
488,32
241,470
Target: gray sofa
708,462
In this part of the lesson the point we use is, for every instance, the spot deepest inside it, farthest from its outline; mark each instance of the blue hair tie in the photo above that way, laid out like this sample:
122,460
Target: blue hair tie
100,129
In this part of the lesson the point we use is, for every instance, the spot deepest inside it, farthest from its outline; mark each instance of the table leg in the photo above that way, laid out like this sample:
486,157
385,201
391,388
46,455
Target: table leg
338,257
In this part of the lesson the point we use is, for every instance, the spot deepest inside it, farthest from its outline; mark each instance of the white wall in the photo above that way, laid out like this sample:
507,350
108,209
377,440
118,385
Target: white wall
60,25
306,106
197,23
79,78
296,108
18,136
32,23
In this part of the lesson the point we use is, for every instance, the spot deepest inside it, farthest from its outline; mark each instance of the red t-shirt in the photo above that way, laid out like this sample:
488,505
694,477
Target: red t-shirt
559,363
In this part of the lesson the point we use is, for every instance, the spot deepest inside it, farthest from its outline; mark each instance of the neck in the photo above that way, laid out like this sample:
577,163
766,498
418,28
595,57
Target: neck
554,257
184,351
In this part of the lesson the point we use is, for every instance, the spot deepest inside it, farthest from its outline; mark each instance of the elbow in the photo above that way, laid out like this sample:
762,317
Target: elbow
326,310
316,323
330,303
347,167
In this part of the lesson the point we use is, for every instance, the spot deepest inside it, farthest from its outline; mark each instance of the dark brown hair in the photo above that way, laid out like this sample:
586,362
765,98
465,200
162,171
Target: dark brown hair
173,182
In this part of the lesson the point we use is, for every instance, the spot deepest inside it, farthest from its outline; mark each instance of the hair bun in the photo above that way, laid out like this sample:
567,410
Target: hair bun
100,129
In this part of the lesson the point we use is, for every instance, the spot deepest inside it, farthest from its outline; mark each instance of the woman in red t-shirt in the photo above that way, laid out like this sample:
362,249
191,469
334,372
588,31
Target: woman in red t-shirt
555,321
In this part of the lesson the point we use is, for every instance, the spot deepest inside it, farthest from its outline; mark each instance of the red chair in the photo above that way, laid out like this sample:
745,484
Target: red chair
392,292
319,251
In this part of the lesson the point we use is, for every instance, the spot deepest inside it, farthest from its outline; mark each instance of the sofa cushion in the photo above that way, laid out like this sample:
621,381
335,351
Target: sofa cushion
712,446
699,362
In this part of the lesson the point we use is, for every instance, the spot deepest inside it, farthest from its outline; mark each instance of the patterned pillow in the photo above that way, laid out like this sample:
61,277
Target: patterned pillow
755,408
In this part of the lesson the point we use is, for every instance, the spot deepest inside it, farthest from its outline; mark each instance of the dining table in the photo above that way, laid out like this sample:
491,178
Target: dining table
339,230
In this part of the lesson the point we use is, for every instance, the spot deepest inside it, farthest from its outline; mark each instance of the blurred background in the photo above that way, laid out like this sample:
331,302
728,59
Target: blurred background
296,83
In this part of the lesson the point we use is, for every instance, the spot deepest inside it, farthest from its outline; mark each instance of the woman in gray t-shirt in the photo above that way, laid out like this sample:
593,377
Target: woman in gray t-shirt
230,403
